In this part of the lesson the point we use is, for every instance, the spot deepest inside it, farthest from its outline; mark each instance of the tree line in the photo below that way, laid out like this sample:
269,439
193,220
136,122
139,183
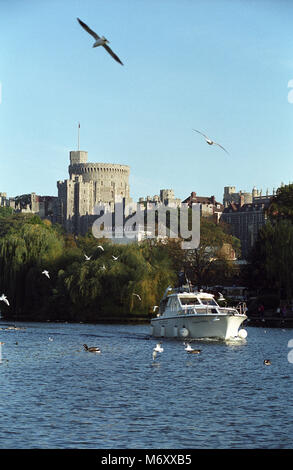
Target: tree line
92,278
271,258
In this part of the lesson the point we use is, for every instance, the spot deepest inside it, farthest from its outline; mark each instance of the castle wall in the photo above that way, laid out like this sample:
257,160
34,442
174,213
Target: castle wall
89,184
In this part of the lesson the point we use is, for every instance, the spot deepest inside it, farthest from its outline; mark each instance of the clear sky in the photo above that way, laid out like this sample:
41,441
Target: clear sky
220,66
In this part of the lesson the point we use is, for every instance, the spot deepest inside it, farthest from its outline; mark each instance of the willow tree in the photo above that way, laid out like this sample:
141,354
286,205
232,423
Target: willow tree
30,246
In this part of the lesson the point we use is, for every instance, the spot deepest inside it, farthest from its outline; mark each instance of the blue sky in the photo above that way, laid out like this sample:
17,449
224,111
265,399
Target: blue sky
220,66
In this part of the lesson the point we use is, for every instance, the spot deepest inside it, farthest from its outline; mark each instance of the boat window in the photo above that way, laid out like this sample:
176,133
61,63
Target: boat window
208,302
189,301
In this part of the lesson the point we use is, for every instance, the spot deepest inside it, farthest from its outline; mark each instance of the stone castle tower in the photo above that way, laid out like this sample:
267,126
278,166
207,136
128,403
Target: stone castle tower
89,184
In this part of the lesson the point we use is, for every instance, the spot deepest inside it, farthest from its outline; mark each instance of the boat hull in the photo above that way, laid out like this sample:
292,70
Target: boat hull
197,326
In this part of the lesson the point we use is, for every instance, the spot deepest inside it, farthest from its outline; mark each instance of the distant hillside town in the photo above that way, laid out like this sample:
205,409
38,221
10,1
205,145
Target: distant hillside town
90,184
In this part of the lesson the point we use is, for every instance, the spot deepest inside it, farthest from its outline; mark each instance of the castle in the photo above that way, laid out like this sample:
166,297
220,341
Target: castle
88,185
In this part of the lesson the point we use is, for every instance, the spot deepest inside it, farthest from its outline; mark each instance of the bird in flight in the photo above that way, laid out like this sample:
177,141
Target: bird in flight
87,257
115,257
138,296
100,41
46,273
209,141
4,298
101,248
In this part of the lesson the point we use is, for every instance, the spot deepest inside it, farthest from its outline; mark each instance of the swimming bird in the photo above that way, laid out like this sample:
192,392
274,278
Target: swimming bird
267,362
158,348
154,354
4,299
100,41
189,349
46,273
138,296
91,349
209,141
115,257
101,248
87,257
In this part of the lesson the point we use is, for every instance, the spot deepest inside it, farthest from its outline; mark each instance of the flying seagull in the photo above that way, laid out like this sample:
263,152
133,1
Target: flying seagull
209,141
115,257
46,273
138,296
101,248
4,298
99,41
87,257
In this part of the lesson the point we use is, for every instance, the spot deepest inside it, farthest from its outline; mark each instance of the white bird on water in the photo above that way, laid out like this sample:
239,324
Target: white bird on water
4,299
46,273
209,141
189,349
100,41
158,348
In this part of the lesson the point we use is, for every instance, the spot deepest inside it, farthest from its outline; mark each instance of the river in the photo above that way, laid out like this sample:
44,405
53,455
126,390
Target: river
55,395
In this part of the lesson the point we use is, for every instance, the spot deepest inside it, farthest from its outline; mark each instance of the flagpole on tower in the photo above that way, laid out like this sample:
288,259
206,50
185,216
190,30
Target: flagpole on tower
78,136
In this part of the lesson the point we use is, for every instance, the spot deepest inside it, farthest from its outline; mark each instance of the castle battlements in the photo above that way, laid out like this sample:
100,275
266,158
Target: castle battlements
89,184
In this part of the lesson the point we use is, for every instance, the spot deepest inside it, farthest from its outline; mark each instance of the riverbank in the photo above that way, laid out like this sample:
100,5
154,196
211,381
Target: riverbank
270,322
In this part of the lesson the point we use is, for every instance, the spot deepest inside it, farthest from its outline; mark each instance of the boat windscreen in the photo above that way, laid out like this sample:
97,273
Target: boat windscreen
208,301
189,301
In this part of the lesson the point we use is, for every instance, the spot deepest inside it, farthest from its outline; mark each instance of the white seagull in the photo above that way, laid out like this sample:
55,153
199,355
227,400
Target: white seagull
158,348
189,349
101,248
209,141
46,273
4,299
138,296
155,308
154,354
100,41
115,257
87,257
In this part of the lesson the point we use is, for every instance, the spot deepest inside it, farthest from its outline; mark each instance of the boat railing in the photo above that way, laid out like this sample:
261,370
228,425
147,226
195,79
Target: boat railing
241,308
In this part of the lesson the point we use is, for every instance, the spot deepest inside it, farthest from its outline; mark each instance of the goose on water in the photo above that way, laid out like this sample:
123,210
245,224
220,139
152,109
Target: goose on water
91,349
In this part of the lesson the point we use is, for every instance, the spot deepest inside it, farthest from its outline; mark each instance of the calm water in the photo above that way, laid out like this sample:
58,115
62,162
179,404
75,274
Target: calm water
55,395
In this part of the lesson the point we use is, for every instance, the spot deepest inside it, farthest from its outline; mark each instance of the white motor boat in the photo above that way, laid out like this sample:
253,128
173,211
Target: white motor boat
189,314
